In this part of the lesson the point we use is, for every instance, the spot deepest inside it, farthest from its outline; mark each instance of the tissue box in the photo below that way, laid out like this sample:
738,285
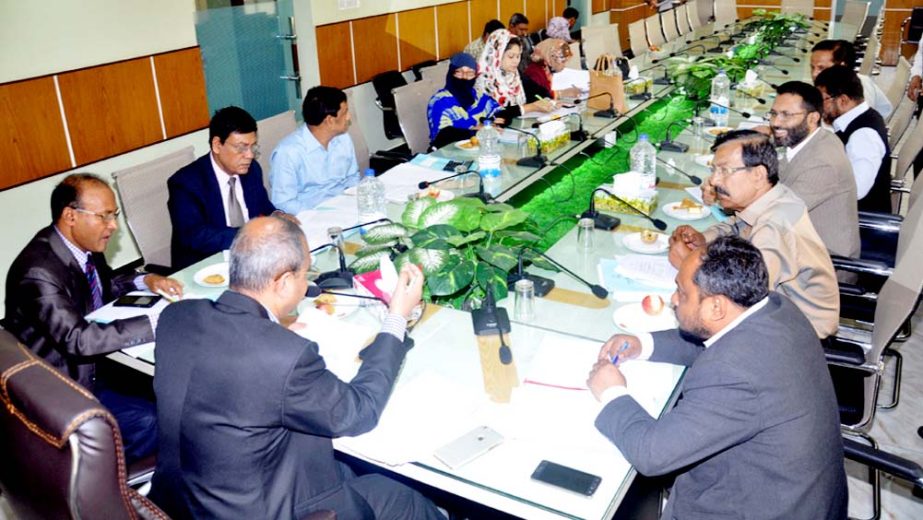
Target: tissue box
552,135
638,86
628,186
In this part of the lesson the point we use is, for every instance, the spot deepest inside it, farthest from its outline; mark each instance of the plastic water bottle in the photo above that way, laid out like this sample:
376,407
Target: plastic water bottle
644,161
720,98
370,196
489,158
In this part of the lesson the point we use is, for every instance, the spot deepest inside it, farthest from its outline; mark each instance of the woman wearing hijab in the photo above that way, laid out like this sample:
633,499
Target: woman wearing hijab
548,57
558,27
455,112
499,76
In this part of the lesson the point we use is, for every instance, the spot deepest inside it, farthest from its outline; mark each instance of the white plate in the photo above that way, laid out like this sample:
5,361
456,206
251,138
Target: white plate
672,210
221,269
705,160
343,306
715,131
634,242
444,195
631,318
467,146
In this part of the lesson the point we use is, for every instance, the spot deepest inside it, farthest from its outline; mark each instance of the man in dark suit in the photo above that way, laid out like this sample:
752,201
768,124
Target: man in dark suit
60,277
247,407
215,195
756,431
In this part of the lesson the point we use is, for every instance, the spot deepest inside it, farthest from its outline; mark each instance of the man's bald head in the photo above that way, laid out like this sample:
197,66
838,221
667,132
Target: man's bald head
263,249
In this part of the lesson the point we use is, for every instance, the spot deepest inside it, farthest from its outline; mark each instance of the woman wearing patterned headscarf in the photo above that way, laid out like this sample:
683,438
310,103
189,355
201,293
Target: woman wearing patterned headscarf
558,27
455,112
499,76
548,57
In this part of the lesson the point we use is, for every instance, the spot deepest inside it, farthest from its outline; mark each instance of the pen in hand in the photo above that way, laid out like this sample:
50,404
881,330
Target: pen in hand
615,359
169,298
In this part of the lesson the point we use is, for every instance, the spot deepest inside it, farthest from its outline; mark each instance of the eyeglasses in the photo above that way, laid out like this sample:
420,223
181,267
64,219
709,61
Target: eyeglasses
724,171
105,217
783,115
244,148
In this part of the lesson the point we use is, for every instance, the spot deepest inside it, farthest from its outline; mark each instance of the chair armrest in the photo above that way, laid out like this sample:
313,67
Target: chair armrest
856,265
889,463
876,217
382,107
395,156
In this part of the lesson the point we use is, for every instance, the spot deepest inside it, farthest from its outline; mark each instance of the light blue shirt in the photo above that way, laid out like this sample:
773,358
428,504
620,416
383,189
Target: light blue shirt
303,173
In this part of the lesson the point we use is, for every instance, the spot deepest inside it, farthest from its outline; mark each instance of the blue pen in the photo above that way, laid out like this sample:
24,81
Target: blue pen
615,359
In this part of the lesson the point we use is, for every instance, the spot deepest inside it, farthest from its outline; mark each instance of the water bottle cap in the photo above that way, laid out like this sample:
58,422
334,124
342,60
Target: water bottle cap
642,137
369,172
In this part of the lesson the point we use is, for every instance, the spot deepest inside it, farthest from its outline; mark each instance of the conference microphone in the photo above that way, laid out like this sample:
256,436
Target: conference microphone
536,161
459,171
600,220
747,115
376,221
540,284
597,290
314,291
751,96
341,278
783,55
576,135
643,96
695,179
772,66
659,224
608,113
490,320
665,80
669,145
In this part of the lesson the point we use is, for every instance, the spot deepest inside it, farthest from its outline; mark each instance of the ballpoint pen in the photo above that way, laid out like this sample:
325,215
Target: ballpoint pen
615,359
169,298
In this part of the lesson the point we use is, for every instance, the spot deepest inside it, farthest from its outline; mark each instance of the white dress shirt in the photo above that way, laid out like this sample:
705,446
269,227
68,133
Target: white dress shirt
874,96
223,178
865,150
916,68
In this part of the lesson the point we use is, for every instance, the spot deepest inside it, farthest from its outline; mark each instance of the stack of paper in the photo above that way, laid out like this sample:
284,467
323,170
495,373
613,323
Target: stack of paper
629,287
339,342
568,78
340,211
403,180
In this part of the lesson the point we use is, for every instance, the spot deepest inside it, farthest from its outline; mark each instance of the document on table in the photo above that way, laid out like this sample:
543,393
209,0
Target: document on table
557,113
110,312
648,269
340,211
339,342
403,180
568,78
626,289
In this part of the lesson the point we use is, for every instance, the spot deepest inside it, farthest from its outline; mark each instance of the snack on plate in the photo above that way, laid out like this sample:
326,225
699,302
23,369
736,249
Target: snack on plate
430,192
690,206
652,304
649,237
214,279
474,141
325,303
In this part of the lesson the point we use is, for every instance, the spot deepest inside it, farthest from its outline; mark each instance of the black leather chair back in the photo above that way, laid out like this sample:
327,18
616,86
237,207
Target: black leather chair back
61,450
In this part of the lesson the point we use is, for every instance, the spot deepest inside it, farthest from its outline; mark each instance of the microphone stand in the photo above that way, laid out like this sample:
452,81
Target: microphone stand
608,113
597,290
695,179
459,171
659,224
536,161
542,286
600,220
669,145
579,134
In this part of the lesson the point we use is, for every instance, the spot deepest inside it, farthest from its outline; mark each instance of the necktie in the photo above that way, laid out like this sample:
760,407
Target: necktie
235,214
96,289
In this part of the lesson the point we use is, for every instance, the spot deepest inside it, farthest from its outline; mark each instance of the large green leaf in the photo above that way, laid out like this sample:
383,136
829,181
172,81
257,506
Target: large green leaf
371,250
430,260
457,276
369,262
468,202
459,241
497,207
385,233
517,237
489,276
413,210
467,219
538,260
503,219
438,213
500,257
436,237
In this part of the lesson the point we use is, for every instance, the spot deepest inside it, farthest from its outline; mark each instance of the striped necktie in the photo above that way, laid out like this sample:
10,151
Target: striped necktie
96,289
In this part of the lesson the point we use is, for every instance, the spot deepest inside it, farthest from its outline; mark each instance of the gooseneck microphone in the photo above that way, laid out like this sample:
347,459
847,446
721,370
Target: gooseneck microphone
608,113
541,285
751,96
600,220
536,161
659,224
695,179
459,171
314,291
669,145
597,290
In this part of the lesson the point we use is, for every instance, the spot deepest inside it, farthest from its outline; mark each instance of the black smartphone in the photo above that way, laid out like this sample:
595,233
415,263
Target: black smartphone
145,301
567,478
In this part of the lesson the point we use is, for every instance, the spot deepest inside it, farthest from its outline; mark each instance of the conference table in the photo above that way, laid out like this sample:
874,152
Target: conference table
440,396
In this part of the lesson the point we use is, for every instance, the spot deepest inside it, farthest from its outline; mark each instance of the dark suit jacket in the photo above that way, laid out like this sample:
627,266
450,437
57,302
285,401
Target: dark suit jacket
47,296
756,432
247,412
199,223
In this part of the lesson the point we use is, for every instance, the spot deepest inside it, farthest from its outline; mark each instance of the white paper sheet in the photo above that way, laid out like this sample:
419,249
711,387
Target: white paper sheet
109,312
340,211
404,179
568,78
339,342
650,269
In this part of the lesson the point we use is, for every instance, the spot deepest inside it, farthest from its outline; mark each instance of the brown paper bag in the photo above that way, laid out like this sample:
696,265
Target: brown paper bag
606,77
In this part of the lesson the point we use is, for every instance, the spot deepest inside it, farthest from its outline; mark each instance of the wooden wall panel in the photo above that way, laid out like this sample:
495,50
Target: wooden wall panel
181,83
376,49
535,12
508,7
334,55
110,109
483,11
891,37
599,6
418,36
453,28
31,131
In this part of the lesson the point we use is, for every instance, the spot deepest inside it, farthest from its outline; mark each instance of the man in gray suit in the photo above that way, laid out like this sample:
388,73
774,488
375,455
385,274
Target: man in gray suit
756,430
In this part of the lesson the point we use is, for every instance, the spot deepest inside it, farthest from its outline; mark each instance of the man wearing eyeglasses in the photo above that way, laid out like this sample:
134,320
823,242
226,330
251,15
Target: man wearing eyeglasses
745,177
60,277
211,198
318,160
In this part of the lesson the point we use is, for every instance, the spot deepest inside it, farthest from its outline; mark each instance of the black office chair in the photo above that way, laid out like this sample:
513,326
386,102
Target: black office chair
879,460
383,84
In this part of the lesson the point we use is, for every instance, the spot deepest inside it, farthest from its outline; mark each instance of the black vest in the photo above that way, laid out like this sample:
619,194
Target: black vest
879,197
